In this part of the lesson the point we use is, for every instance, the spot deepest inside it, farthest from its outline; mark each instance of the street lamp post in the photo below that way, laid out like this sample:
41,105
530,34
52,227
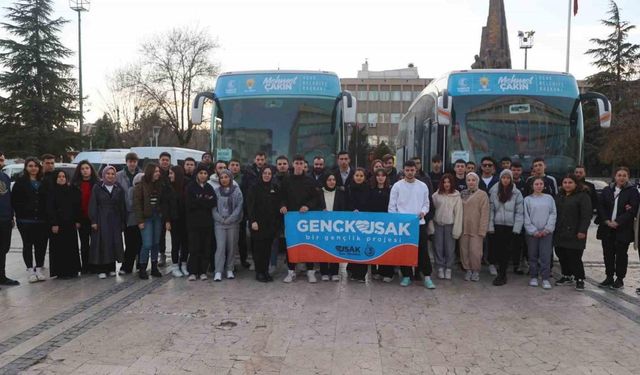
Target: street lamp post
156,133
80,6
526,42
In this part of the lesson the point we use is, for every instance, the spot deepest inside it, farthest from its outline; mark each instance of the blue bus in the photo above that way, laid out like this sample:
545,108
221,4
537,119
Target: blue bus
519,114
278,112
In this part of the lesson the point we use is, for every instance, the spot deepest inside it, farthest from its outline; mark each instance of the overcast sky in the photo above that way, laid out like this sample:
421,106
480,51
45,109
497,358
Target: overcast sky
335,35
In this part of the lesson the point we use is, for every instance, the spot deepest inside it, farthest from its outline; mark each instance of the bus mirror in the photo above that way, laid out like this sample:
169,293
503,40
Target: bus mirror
604,113
349,107
444,109
604,107
198,104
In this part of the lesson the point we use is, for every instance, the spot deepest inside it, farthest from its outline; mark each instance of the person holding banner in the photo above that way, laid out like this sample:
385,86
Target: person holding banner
475,222
378,201
333,200
447,223
358,194
264,221
298,193
411,196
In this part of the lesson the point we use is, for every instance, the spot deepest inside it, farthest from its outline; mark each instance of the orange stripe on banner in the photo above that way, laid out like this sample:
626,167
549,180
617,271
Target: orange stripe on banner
402,255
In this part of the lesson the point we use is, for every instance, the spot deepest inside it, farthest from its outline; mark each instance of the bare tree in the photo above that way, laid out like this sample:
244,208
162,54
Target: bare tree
173,66
125,105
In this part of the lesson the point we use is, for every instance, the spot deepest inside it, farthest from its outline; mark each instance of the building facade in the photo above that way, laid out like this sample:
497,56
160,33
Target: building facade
383,98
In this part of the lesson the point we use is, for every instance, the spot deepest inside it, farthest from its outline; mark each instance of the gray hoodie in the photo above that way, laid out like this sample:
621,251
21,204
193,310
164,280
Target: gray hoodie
539,214
228,211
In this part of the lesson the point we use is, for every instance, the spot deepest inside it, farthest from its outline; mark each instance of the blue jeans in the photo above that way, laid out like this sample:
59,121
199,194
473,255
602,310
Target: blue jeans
151,239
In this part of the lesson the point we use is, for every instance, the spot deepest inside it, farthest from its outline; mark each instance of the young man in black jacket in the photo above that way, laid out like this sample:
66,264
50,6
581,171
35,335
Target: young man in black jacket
6,223
298,193
538,169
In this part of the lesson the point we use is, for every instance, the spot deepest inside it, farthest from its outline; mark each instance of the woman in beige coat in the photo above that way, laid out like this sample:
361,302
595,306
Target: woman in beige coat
447,224
475,222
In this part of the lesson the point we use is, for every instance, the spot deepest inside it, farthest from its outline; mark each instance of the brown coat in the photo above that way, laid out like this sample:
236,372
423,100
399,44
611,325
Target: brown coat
475,214
142,194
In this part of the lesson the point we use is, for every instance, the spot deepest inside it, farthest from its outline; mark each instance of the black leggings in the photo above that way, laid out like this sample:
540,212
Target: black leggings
5,244
502,246
34,236
261,253
424,263
571,262
179,249
200,250
85,236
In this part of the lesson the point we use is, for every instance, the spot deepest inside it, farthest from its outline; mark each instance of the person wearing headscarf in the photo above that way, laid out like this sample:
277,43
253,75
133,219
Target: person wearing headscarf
475,223
227,216
357,195
108,215
63,212
333,199
264,221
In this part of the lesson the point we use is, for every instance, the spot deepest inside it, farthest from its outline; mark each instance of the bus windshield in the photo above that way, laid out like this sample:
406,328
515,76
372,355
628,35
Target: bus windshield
520,127
279,126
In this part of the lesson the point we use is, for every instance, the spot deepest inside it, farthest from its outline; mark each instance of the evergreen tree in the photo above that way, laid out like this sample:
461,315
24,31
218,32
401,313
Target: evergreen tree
381,150
105,133
358,146
616,58
40,93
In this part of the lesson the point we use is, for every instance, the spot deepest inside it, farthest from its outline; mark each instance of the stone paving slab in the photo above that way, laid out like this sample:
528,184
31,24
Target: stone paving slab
239,326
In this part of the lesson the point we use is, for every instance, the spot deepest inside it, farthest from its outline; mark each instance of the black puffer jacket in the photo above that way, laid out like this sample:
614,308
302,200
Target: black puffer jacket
573,217
28,202
628,202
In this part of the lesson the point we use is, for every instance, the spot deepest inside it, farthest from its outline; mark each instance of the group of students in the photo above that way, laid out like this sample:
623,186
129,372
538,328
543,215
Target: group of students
208,207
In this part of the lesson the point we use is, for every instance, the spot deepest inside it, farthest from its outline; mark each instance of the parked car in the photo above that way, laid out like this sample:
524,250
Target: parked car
100,159
15,170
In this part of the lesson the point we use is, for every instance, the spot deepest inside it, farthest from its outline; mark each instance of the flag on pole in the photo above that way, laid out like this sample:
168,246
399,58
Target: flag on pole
575,7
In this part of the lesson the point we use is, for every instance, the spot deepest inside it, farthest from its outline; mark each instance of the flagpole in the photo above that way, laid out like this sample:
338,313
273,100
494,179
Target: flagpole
568,36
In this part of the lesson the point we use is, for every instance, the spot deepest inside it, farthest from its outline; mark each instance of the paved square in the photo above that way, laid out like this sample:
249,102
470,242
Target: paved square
170,326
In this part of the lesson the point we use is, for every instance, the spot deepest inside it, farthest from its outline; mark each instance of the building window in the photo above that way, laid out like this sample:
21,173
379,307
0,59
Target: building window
396,117
385,117
362,95
362,118
416,94
396,96
372,118
383,138
406,96
372,140
384,96
373,96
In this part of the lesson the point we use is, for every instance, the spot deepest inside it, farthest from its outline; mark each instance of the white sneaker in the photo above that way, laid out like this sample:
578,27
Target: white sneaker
440,273
217,276
230,275
447,274
475,276
176,271
533,282
203,277
335,278
311,276
121,273
40,275
291,275
325,278
32,276
387,279
467,276
492,270
112,274
183,268
192,277
546,284
102,275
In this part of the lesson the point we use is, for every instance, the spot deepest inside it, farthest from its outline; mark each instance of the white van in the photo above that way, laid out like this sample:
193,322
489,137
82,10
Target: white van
178,154
100,159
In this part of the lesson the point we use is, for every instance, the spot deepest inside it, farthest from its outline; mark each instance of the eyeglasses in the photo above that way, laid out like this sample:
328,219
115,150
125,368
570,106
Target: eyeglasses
487,165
